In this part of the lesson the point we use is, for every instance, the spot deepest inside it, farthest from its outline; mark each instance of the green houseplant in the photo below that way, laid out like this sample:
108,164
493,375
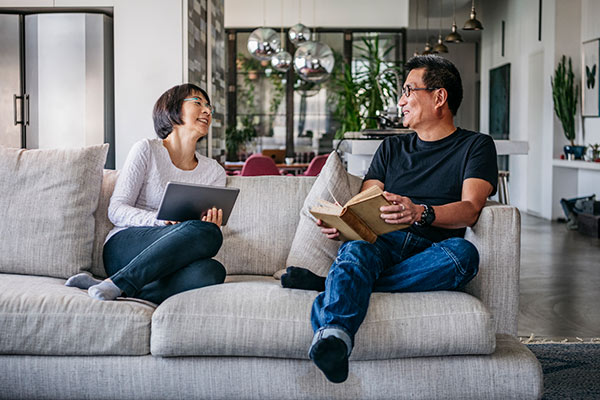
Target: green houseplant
564,94
355,96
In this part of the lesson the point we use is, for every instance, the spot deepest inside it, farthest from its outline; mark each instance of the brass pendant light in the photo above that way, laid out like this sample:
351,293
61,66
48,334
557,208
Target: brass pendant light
440,47
473,24
427,49
454,36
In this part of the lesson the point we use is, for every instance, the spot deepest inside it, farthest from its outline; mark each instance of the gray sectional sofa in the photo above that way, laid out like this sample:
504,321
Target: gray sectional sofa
248,338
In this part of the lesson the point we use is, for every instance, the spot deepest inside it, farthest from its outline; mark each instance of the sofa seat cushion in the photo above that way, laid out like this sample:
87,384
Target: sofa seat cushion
255,316
41,316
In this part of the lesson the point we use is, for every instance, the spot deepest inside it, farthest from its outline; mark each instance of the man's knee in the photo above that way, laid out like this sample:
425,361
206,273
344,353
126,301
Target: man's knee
464,255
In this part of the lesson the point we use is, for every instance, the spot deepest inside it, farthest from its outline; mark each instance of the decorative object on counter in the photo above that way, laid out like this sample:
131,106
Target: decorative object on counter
263,43
454,36
440,47
594,150
590,76
473,24
564,95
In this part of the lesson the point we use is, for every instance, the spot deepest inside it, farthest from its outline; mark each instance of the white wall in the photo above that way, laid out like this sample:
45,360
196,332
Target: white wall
148,46
324,14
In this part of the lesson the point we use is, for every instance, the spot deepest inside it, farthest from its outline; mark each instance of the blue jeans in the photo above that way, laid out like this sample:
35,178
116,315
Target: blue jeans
397,262
153,263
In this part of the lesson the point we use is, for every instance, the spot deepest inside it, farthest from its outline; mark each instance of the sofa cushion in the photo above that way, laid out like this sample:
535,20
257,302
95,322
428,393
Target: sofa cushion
310,248
46,209
102,223
255,316
41,316
258,235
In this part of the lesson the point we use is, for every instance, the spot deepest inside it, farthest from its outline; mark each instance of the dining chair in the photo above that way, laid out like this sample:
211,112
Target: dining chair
315,166
257,165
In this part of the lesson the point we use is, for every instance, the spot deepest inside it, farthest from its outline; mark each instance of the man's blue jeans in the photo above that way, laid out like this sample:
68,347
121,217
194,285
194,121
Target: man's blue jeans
153,263
397,262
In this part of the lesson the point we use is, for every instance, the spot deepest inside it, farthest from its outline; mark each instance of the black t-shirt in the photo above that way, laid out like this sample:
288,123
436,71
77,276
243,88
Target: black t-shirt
433,172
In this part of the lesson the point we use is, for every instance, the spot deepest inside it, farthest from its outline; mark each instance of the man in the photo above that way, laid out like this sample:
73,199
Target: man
438,180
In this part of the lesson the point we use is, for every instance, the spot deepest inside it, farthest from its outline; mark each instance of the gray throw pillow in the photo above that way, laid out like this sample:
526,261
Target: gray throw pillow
310,248
46,209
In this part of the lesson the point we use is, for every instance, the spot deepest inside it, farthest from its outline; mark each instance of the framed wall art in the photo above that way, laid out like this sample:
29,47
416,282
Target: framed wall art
589,79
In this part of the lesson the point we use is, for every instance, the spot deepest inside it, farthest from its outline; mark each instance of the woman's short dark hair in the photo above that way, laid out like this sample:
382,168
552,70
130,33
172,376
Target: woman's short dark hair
167,109
440,73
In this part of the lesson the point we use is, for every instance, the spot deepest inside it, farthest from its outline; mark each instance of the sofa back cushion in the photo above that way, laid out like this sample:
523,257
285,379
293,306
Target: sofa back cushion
259,233
103,224
46,209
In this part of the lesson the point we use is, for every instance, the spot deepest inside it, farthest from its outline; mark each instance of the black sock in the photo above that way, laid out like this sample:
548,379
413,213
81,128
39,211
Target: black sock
331,356
302,278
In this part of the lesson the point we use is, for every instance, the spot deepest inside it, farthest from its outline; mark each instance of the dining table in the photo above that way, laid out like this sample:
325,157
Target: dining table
294,168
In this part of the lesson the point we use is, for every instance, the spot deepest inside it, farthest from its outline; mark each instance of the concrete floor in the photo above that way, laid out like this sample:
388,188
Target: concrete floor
560,281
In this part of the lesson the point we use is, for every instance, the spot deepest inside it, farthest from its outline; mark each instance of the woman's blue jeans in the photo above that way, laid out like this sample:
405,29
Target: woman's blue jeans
153,263
397,262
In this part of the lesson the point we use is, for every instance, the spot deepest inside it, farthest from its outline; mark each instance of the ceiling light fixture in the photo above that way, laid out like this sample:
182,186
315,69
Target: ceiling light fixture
473,24
454,36
440,47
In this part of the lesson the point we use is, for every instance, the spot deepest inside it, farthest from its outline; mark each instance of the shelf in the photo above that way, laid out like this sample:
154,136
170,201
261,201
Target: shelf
576,164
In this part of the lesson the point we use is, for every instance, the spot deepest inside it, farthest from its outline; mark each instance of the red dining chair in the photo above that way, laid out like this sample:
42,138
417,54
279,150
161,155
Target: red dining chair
257,165
315,166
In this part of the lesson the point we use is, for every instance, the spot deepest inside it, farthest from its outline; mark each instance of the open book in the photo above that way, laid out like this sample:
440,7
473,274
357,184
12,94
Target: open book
359,218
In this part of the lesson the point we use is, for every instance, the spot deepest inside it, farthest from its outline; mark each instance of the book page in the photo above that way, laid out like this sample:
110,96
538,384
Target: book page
369,211
373,191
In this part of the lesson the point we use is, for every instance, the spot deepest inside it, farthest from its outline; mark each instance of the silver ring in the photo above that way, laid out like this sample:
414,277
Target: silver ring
403,208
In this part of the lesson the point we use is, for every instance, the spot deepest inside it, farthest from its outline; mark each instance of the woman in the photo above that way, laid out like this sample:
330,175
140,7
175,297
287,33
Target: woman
148,258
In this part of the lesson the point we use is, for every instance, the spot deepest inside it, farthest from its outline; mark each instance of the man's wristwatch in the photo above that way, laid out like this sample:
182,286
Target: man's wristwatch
427,217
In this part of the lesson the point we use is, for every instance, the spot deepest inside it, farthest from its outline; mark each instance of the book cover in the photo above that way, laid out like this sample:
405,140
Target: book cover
359,218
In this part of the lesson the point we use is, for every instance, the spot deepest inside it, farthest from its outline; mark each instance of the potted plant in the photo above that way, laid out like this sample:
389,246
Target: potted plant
236,138
564,94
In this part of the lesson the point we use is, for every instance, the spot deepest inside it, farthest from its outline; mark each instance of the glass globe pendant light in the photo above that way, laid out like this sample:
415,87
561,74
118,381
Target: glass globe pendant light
263,43
281,60
313,62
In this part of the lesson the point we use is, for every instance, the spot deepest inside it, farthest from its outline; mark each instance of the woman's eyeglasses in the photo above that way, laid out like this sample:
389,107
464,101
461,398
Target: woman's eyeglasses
199,102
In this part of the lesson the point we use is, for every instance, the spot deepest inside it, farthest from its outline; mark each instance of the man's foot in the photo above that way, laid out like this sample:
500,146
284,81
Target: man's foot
331,356
302,278
105,290
82,281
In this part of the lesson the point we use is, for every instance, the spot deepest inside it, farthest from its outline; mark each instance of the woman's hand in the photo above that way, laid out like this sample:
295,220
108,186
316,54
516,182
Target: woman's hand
215,216
331,233
402,210
172,222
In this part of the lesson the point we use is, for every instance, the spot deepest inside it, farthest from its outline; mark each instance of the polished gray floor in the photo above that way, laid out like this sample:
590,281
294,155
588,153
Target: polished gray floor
560,281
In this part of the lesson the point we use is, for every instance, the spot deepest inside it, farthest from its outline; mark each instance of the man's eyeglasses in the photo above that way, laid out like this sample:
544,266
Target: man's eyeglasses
199,102
407,89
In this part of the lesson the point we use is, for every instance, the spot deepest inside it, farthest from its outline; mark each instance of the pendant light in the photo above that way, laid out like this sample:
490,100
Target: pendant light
282,60
416,53
440,47
313,60
454,36
473,24
299,33
427,50
263,42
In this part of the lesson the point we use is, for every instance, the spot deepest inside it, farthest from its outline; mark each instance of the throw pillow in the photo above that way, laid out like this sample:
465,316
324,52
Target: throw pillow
310,248
46,209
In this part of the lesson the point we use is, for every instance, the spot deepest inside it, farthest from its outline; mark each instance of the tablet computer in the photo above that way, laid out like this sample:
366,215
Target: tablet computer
185,201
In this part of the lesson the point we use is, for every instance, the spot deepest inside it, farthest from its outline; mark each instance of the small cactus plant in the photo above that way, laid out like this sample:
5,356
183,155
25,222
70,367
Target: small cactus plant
564,94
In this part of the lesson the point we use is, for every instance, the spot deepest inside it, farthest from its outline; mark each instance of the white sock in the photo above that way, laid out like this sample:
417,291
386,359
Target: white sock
82,281
105,290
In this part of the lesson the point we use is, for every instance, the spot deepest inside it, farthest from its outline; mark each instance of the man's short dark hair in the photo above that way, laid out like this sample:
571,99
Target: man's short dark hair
167,109
441,73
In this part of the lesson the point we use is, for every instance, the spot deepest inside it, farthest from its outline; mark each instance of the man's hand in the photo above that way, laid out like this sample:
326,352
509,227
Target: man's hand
402,210
215,216
331,233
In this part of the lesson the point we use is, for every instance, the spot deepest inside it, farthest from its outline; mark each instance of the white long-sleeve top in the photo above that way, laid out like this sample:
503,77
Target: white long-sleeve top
142,181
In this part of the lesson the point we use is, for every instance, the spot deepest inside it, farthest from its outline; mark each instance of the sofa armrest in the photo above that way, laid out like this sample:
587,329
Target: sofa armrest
497,236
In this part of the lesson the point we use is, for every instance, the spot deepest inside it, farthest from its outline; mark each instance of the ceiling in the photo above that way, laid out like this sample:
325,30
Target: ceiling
430,10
